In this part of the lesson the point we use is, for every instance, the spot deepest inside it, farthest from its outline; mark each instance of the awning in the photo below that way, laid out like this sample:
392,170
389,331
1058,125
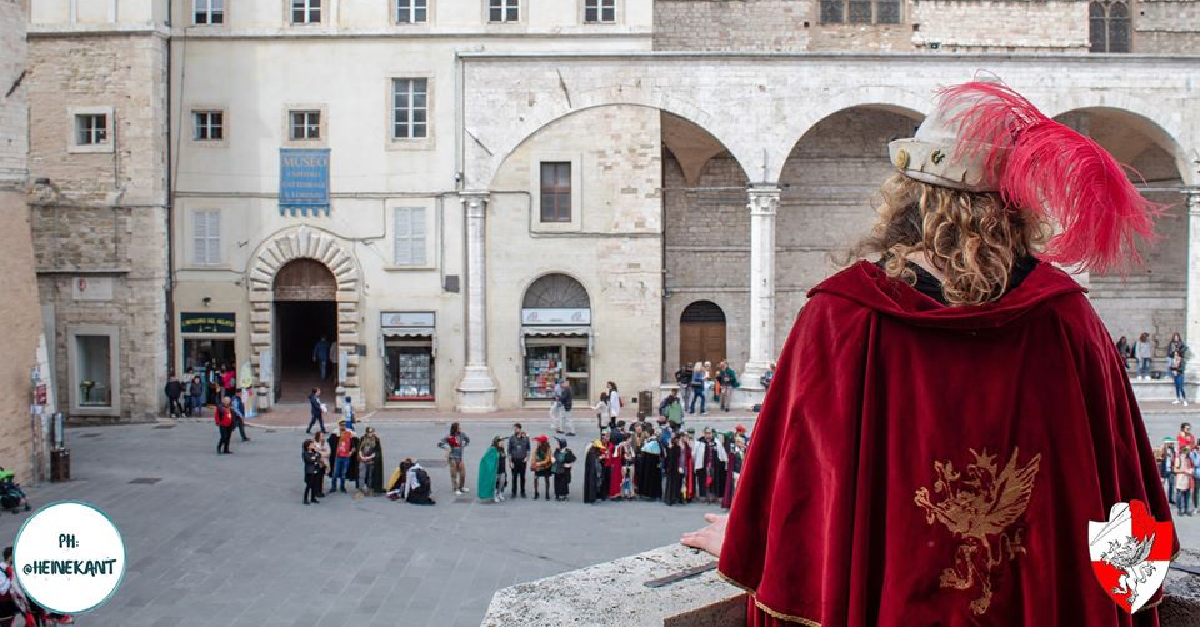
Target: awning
407,332
540,331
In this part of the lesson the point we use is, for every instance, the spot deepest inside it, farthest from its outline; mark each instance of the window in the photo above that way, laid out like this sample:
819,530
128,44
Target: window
91,129
556,192
860,11
410,236
206,237
208,12
305,125
504,10
1109,27
306,11
600,11
411,11
94,353
409,108
208,126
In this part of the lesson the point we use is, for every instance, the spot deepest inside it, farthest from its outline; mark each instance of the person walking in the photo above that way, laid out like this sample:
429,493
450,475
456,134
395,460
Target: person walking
566,399
728,380
697,389
320,355
543,466
312,471
174,390
919,437
564,458
224,419
454,443
1185,480
1177,366
556,406
239,414
1143,352
518,456
317,411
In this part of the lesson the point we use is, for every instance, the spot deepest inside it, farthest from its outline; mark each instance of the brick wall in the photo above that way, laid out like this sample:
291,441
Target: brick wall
103,211
19,308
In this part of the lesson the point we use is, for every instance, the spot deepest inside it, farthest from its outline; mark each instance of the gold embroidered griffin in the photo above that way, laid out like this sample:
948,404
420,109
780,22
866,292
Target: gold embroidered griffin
983,509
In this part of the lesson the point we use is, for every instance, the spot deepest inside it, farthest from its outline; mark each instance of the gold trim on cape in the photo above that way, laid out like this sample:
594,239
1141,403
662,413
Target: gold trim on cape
759,604
983,507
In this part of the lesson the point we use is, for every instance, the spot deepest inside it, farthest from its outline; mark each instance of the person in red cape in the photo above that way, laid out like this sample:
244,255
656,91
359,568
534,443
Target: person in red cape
944,422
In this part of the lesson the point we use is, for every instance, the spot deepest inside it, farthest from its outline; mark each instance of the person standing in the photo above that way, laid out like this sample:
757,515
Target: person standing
603,412
317,411
1185,479
228,380
239,414
1143,351
1177,366
312,471
564,458
566,398
369,462
709,465
697,386
197,392
321,446
1166,467
729,381
348,413
683,377
174,389
555,407
543,466
648,474
489,473
595,477
767,376
518,456
614,404
454,443
1194,456
8,604
345,447
1176,345
320,355
1185,437
224,420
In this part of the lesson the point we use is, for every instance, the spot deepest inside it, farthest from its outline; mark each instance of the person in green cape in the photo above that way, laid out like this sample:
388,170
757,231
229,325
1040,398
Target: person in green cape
488,468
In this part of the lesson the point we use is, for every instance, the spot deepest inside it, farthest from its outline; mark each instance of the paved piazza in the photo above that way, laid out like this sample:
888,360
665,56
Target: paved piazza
226,541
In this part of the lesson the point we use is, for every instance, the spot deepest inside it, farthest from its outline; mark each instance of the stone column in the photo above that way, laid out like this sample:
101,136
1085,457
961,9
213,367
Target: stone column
763,203
477,388
1191,333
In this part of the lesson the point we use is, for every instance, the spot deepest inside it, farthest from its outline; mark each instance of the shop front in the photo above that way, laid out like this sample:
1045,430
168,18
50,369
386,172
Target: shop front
556,345
409,352
208,345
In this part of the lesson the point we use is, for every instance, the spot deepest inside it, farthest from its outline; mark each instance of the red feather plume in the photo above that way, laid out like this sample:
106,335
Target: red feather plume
1044,166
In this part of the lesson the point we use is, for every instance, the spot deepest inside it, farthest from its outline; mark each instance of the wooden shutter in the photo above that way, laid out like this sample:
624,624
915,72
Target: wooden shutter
417,236
214,237
402,238
200,238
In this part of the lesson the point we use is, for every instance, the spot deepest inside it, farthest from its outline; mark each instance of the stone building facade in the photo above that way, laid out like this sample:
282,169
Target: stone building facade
19,308
495,194
98,163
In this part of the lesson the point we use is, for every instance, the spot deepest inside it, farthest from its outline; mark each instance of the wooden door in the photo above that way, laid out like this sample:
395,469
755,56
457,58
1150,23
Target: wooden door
701,341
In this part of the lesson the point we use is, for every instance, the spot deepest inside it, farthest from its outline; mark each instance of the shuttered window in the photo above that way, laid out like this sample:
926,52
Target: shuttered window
410,236
206,238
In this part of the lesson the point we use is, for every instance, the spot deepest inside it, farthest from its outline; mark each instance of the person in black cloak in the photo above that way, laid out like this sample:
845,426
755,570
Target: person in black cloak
375,483
595,473
672,492
564,458
649,469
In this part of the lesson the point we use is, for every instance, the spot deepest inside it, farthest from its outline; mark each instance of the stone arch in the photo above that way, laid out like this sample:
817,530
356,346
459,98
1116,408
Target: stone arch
1151,121
529,126
276,251
887,97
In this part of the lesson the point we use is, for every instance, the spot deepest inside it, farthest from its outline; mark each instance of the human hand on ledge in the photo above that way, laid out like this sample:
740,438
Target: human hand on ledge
709,538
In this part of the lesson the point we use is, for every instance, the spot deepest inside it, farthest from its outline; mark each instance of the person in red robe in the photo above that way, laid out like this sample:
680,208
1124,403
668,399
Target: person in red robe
614,460
946,421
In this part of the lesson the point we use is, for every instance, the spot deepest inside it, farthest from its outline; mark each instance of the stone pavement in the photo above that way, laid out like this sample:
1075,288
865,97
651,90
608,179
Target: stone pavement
224,540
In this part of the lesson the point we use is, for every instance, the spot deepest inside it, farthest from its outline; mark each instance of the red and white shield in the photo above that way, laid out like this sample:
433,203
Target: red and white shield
1131,554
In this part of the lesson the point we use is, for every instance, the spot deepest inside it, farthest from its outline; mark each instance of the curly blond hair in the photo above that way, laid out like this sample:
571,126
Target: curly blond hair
973,239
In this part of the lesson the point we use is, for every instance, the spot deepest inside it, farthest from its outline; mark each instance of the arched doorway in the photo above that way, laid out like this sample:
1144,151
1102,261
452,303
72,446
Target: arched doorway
305,329
702,333
556,336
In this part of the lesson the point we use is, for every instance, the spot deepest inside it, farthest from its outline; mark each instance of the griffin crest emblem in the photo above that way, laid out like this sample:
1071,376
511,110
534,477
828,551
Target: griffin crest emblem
982,506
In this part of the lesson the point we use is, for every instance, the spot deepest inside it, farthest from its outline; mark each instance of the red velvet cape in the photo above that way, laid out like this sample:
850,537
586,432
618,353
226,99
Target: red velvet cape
918,464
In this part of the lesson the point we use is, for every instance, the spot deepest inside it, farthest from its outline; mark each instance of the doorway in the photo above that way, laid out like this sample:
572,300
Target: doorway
701,333
305,313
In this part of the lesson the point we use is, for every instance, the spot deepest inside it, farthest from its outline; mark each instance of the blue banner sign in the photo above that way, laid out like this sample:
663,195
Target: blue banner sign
304,180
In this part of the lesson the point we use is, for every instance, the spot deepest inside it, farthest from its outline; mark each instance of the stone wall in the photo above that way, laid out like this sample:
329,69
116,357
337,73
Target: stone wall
101,216
19,308
1167,27
1001,26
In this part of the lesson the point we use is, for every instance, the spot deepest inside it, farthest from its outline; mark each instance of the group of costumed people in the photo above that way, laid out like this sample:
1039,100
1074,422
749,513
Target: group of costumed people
673,465
345,457
910,463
